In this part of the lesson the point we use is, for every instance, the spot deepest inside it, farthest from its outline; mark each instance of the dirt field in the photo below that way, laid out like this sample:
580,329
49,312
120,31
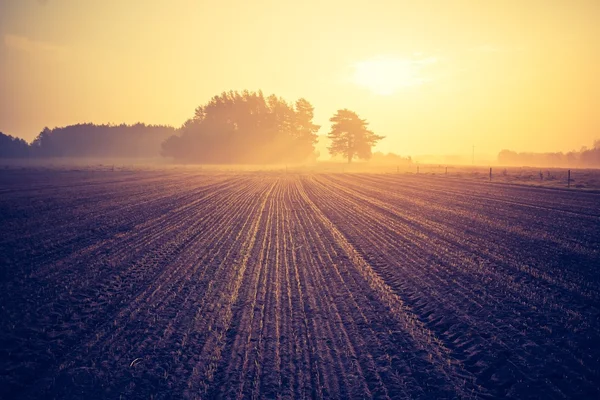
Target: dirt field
187,284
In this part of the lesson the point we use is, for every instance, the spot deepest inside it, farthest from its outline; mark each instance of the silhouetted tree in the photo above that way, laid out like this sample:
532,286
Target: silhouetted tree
245,128
12,147
350,137
90,140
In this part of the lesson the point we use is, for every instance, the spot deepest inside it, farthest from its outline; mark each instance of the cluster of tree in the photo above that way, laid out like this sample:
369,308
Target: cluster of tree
585,158
90,140
12,147
232,128
246,128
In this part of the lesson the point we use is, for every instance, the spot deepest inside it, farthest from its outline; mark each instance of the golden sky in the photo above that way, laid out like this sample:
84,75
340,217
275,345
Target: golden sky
435,77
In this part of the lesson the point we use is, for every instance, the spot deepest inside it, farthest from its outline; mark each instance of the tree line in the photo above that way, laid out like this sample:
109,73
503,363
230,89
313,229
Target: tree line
584,158
90,140
232,128
12,147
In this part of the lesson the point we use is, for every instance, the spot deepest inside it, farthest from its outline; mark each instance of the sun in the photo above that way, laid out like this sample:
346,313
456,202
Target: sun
386,75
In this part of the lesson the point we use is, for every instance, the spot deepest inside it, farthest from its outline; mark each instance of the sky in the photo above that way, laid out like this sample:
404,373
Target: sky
434,77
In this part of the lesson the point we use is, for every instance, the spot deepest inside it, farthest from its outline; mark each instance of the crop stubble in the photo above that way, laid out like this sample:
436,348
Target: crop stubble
266,285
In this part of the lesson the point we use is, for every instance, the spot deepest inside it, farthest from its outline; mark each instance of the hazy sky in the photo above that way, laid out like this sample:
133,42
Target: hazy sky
435,77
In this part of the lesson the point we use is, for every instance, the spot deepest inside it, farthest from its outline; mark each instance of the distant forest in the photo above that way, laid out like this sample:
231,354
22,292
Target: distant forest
90,140
12,147
585,158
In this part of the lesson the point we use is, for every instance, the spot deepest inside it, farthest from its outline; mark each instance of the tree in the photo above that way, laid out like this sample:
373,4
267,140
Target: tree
350,137
246,128
305,131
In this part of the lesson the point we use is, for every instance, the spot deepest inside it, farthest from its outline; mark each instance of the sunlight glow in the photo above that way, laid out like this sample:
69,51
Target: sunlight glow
433,77
386,75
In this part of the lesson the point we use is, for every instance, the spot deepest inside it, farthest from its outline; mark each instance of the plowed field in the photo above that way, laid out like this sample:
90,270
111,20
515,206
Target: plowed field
271,285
